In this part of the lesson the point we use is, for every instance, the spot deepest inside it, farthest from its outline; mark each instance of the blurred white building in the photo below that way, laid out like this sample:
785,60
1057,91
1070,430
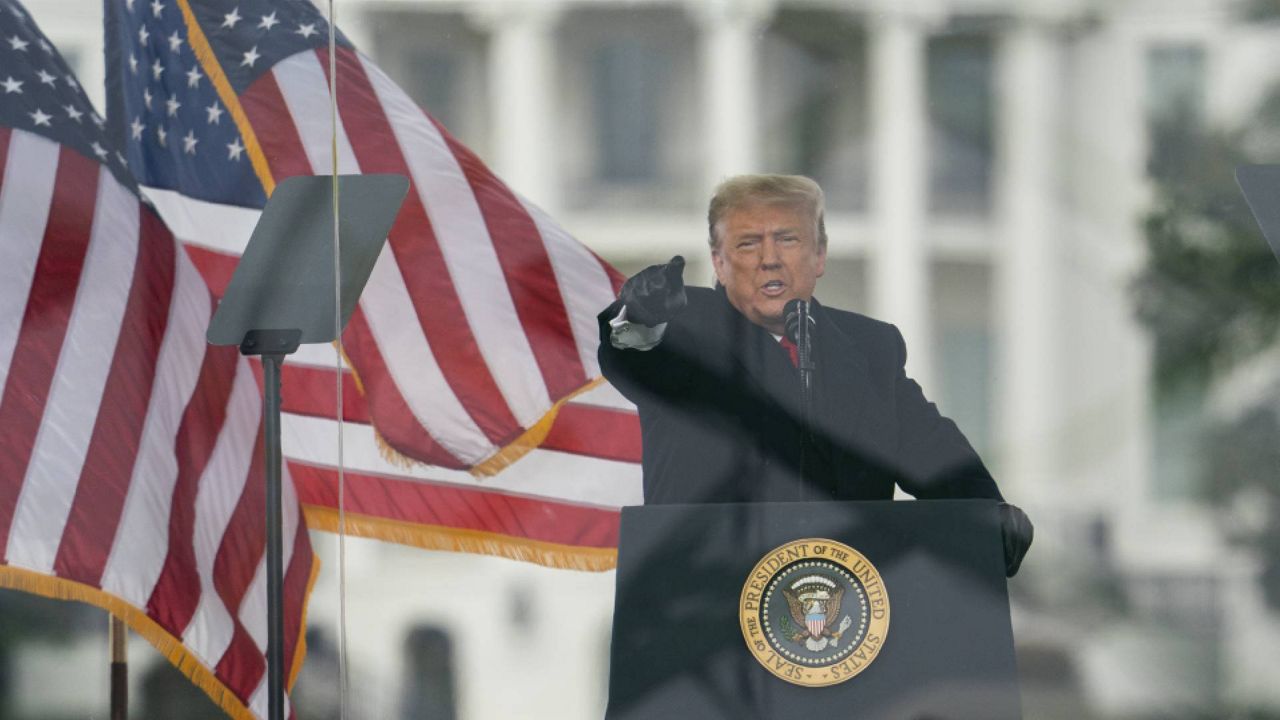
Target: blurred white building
985,163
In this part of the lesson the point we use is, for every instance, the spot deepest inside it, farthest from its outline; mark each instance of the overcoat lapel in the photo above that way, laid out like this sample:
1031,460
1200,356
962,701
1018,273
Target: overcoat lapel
760,361
852,419
846,404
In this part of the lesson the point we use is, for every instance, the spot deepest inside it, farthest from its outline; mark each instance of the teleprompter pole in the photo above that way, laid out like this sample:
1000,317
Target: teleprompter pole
275,545
273,345
279,297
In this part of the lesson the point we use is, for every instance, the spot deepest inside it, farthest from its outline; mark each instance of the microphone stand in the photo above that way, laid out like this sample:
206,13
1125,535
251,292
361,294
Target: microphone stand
799,326
804,343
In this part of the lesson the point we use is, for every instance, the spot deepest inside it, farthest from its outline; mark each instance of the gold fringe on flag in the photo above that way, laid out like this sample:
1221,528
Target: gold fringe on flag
169,646
437,537
528,441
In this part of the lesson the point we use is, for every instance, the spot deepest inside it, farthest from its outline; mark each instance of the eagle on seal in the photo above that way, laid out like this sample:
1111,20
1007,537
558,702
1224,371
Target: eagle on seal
814,602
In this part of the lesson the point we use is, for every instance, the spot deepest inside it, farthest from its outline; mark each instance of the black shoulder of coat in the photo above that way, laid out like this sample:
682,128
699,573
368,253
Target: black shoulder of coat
705,305
698,295
875,337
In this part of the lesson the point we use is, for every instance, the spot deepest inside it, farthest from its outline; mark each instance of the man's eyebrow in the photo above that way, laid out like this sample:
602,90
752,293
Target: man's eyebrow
756,234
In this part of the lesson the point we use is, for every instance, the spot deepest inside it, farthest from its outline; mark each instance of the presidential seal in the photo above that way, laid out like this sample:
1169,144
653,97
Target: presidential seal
814,612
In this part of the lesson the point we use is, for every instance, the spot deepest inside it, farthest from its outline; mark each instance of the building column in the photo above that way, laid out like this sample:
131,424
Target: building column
899,256
1114,121
728,32
1028,226
522,84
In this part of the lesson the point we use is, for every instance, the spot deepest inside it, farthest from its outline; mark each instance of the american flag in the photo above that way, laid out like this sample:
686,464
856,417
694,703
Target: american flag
131,461
474,343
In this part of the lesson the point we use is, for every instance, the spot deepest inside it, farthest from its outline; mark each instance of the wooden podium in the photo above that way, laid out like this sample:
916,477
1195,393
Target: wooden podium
684,609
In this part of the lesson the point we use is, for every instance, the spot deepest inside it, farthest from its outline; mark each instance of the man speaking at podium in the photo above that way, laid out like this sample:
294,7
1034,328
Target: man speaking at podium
722,401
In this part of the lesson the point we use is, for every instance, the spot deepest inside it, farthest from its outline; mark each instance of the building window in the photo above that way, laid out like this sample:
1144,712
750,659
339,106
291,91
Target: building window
627,78
629,108
434,84
1179,441
845,284
961,101
813,91
430,683
961,310
440,60
1175,123
1175,109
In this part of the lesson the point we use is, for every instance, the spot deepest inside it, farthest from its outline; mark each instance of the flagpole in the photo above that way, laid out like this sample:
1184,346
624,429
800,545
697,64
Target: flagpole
117,635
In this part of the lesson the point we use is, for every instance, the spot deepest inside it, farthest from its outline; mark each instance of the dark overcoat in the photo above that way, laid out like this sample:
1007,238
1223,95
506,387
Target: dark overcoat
720,412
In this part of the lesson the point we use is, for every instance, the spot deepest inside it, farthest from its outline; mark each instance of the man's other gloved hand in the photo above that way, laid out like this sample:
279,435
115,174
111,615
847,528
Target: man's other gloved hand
1017,532
655,294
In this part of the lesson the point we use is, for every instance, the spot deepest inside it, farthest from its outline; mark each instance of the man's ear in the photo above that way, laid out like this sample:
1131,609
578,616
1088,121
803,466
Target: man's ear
717,262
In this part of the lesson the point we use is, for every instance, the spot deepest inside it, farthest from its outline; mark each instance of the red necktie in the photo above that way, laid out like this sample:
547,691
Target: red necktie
792,351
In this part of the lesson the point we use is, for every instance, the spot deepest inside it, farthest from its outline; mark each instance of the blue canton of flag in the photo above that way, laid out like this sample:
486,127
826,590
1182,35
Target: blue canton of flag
163,75
42,96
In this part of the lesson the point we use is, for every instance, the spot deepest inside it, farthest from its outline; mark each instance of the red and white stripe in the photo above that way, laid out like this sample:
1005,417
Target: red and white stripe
568,490
479,315
130,450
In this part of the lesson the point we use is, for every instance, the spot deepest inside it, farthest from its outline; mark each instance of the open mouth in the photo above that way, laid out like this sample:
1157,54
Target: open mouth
773,287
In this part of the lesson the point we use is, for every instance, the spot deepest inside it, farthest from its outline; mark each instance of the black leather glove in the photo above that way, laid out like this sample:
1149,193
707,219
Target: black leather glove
1017,532
655,294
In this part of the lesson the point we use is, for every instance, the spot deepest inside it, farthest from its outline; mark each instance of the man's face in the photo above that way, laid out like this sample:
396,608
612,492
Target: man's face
767,254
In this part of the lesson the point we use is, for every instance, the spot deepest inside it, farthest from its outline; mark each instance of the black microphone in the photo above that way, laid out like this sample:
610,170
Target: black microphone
799,329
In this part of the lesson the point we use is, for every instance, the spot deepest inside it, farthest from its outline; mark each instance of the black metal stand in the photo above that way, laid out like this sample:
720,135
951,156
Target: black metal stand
272,346
806,400
804,347
282,295
799,328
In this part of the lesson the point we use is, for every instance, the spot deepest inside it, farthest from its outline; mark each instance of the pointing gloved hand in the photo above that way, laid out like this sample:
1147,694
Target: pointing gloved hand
1017,532
655,294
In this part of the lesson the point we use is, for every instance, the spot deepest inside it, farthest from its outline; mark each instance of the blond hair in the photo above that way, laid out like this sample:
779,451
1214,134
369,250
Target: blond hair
744,190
